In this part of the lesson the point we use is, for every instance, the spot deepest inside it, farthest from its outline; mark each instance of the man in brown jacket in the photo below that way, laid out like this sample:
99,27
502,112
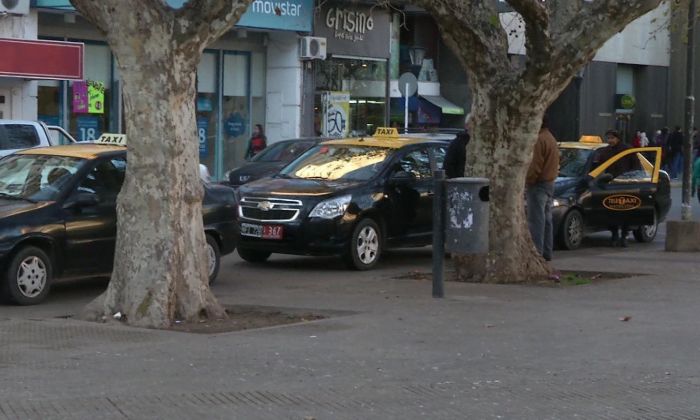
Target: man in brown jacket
543,171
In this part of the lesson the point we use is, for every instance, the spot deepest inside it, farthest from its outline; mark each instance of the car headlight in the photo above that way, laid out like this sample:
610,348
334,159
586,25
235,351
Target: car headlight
331,208
557,203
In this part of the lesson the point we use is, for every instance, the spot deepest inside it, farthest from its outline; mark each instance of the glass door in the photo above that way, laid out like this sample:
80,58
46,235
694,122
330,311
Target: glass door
236,110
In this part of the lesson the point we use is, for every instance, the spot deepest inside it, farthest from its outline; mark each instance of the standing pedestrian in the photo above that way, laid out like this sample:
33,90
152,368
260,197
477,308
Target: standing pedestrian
675,153
643,139
541,175
258,141
623,165
456,155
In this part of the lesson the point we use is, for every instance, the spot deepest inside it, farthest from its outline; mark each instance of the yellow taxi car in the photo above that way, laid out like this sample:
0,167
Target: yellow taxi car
587,198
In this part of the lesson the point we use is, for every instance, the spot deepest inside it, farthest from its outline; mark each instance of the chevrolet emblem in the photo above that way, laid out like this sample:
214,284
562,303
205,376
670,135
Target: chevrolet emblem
265,205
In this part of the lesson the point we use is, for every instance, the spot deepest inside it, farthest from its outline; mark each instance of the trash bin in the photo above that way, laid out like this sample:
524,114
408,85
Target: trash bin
467,215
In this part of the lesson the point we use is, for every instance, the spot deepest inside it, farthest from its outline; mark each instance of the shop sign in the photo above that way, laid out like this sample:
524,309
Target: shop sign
38,59
96,97
235,125
355,30
202,134
336,114
80,97
88,128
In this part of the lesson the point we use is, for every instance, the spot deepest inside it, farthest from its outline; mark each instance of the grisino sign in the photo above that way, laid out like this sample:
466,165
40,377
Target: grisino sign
355,30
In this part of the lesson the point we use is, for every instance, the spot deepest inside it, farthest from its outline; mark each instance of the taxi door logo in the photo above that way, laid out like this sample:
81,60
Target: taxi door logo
622,202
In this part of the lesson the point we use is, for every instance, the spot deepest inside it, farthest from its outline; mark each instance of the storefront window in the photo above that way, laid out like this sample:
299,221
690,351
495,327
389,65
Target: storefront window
49,102
362,83
90,100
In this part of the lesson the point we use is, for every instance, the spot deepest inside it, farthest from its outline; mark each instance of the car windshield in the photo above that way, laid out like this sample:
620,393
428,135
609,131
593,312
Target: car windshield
333,162
285,151
36,177
572,162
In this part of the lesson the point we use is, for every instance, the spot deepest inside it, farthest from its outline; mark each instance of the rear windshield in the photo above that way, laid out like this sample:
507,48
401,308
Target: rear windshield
283,152
17,136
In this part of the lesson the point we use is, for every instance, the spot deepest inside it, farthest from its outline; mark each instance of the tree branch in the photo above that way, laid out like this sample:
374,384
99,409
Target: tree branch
205,21
538,41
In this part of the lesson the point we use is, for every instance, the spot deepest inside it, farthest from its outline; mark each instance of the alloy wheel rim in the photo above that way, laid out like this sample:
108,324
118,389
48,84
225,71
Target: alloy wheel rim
367,245
211,259
31,277
575,230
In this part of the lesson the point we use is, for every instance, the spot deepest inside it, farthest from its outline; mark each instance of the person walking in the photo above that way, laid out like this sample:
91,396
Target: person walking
643,139
542,173
675,153
258,141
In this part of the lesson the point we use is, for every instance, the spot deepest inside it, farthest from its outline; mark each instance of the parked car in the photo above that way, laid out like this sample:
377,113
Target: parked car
352,197
18,135
58,217
589,199
270,160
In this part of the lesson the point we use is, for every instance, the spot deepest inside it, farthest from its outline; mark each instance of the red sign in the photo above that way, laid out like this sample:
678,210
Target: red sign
38,59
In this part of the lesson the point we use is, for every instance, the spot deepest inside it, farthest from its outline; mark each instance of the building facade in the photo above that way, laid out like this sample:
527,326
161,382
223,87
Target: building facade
252,75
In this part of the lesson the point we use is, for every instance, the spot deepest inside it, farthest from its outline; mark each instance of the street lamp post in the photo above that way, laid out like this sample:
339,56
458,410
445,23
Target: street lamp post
686,213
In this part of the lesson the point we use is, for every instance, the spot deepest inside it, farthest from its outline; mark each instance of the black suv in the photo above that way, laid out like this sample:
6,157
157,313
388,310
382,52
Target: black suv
351,197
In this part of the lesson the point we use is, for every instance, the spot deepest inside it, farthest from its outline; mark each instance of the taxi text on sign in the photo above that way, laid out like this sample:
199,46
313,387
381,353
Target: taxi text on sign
386,132
111,138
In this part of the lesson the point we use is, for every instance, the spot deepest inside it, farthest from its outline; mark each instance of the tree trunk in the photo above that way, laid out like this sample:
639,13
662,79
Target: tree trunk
501,150
160,271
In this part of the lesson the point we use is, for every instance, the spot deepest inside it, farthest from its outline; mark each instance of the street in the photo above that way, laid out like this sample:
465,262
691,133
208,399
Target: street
392,351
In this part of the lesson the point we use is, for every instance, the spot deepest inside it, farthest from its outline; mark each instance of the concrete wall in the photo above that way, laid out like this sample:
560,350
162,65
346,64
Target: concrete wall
651,93
597,98
284,87
677,73
20,94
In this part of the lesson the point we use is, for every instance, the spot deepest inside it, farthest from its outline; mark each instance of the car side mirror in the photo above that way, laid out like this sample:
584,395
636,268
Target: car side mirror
402,177
83,199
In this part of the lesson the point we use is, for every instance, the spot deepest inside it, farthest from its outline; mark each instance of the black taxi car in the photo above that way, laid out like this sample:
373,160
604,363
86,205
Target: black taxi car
587,198
350,197
58,217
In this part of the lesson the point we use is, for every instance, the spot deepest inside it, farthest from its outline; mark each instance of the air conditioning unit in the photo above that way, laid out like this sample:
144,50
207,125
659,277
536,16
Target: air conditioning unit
14,7
312,48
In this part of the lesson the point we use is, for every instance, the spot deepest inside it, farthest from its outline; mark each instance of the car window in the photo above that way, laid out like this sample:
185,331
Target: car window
17,136
416,162
640,171
105,180
285,151
36,177
573,162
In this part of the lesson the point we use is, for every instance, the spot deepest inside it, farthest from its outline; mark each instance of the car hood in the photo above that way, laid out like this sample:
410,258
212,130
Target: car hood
9,208
296,187
254,170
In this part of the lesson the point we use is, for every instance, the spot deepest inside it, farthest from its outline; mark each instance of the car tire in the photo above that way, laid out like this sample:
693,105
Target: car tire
28,277
365,246
253,256
571,231
213,258
645,234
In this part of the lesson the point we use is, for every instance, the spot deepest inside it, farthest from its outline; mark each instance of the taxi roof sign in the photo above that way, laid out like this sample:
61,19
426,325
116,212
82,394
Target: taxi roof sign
114,139
590,139
386,132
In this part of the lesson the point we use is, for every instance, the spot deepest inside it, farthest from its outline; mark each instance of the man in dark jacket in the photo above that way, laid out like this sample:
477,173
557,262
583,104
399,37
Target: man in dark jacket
456,156
675,153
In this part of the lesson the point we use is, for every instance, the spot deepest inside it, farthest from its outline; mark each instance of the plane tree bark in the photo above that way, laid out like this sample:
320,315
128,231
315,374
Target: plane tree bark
160,269
510,97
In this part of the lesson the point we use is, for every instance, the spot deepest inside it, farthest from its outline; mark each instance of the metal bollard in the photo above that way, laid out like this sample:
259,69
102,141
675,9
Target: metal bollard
438,233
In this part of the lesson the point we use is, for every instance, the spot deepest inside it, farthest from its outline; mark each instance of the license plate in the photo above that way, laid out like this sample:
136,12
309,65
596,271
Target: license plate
275,232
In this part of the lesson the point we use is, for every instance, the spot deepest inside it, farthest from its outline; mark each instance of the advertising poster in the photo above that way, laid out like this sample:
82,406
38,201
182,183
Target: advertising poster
88,128
202,133
336,114
80,97
96,97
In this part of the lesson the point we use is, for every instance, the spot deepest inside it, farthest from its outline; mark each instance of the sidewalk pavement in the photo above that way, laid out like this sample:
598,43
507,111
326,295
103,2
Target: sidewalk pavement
483,352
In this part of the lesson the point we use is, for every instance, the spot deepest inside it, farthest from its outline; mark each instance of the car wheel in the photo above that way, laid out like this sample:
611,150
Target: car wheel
647,233
571,233
253,256
365,246
213,258
28,277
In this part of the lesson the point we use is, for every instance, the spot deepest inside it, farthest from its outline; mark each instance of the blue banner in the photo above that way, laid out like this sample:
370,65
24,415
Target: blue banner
202,133
285,15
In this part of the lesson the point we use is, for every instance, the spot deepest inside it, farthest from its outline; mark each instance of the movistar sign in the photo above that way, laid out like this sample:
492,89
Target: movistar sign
284,15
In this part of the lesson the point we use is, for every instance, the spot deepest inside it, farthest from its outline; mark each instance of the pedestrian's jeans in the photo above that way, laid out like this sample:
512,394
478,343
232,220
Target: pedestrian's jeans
539,217
676,166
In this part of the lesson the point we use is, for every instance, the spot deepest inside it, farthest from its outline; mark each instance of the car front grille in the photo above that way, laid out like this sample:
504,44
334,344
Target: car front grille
265,209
